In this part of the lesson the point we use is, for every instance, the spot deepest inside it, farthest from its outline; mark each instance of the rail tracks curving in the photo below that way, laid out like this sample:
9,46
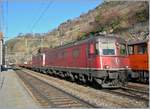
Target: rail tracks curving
50,96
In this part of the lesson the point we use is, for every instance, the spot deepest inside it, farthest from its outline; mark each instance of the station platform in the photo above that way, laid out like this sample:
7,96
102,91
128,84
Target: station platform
13,94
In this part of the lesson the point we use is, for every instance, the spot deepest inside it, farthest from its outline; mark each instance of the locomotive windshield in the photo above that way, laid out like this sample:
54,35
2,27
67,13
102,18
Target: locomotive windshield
108,48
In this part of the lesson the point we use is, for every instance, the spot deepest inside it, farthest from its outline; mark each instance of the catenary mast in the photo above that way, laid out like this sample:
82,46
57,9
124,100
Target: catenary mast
1,33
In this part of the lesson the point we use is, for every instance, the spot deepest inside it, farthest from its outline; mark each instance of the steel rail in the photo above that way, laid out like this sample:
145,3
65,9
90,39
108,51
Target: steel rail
24,75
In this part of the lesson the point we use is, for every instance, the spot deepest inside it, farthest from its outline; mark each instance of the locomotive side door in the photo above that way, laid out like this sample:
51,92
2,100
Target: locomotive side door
91,55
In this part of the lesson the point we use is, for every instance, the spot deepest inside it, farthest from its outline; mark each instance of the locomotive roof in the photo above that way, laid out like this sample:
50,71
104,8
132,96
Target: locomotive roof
98,37
137,42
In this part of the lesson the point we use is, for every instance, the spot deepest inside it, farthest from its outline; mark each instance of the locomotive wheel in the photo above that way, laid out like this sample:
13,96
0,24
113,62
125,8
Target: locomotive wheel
97,83
71,77
82,78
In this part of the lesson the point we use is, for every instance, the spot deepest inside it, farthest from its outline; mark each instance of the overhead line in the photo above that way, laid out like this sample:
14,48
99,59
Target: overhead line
6,25
34,18
1,16
41,15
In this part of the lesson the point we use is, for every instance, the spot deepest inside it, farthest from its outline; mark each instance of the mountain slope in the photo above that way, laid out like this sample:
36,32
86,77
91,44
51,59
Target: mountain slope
129,19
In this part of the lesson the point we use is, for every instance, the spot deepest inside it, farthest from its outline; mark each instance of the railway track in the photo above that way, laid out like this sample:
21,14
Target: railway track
138,86
138,91
100,97
135,91
49,96
130,93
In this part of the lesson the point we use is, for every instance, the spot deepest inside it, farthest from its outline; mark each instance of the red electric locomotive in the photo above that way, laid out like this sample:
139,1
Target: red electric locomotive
138,57
102,58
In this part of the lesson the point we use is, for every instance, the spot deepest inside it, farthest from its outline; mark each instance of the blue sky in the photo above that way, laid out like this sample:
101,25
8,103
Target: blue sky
22,15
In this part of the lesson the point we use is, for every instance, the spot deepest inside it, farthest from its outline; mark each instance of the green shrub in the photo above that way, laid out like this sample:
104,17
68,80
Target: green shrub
142,16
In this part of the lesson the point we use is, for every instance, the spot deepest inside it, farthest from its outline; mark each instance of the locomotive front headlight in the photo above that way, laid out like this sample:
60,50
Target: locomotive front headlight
117,44
127,67
107,66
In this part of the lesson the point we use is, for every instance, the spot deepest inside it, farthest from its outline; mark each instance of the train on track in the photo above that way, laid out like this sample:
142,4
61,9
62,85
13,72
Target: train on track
102,59
107,60
139,60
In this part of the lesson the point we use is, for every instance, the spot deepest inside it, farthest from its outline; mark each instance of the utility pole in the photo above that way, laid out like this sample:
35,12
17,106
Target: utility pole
42,41
26,45
1,34
1,50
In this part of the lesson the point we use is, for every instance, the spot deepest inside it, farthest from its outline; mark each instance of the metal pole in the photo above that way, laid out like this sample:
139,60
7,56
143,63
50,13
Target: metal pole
1,51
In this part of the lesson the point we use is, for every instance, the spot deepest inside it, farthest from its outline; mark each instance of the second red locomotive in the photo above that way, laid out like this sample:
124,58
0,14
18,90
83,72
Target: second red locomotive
102,59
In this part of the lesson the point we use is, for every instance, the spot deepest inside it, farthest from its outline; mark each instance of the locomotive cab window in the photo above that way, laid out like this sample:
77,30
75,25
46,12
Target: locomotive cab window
142,49
94,49
130,49
97,48
122,49
108,48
